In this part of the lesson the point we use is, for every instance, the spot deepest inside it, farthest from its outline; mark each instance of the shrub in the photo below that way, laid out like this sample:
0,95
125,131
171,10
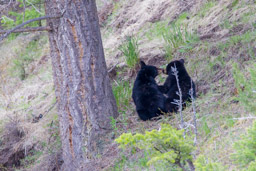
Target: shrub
202,164
252,166
164,146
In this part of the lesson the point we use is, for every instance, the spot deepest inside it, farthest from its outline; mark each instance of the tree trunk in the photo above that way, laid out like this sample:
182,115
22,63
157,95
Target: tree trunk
83,92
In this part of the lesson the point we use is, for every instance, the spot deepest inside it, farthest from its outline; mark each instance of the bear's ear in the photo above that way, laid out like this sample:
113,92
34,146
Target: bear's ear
142,64
182,61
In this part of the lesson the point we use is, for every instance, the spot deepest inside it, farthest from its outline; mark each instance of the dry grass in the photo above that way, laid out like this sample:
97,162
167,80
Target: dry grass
23,100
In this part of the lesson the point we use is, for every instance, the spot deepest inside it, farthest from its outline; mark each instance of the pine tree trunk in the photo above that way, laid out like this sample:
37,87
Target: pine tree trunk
84,95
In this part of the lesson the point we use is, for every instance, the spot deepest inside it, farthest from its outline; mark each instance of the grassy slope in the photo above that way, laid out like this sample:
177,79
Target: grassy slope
227,32
22,100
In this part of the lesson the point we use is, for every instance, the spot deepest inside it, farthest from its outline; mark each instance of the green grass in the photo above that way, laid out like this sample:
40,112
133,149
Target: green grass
226,24
130,50
234,3
31,158
247,37
139,164
116,7
119,164
242,43
183,16
205,8
246,88
178,37
53,129
113,123
245,148
122,91
249,17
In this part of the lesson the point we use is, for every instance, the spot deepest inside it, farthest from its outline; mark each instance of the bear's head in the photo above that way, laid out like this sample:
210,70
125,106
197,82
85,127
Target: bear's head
149,70
179,64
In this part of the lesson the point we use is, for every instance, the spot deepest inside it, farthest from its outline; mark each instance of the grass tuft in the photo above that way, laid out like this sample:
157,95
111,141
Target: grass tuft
130,51
178,37
122,92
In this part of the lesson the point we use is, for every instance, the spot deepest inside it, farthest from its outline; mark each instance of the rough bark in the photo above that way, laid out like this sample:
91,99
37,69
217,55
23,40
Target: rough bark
84,95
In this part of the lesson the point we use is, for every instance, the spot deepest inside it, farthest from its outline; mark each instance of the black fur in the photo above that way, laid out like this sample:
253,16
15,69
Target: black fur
170,86
149,101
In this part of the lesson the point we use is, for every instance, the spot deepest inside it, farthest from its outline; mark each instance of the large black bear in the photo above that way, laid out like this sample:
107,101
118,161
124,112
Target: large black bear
149,101
170,86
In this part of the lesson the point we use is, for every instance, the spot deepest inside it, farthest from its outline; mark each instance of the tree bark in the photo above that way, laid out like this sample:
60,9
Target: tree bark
83,92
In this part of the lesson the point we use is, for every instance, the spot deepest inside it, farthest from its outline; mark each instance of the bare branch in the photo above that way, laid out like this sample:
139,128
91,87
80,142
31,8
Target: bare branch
175,73
28,29
188,125
191,93
23,24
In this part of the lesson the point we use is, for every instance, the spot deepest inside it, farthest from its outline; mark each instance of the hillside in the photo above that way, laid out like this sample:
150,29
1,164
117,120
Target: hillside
215,38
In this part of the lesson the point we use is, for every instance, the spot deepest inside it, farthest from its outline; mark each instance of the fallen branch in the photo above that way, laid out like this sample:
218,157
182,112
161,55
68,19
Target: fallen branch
25,23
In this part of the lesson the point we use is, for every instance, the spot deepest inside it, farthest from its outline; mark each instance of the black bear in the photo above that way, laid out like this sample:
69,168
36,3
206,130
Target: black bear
149,101
170,86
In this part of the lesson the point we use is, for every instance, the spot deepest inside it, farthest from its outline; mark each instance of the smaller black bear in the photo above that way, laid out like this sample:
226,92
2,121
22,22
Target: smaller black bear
149,101
170,86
